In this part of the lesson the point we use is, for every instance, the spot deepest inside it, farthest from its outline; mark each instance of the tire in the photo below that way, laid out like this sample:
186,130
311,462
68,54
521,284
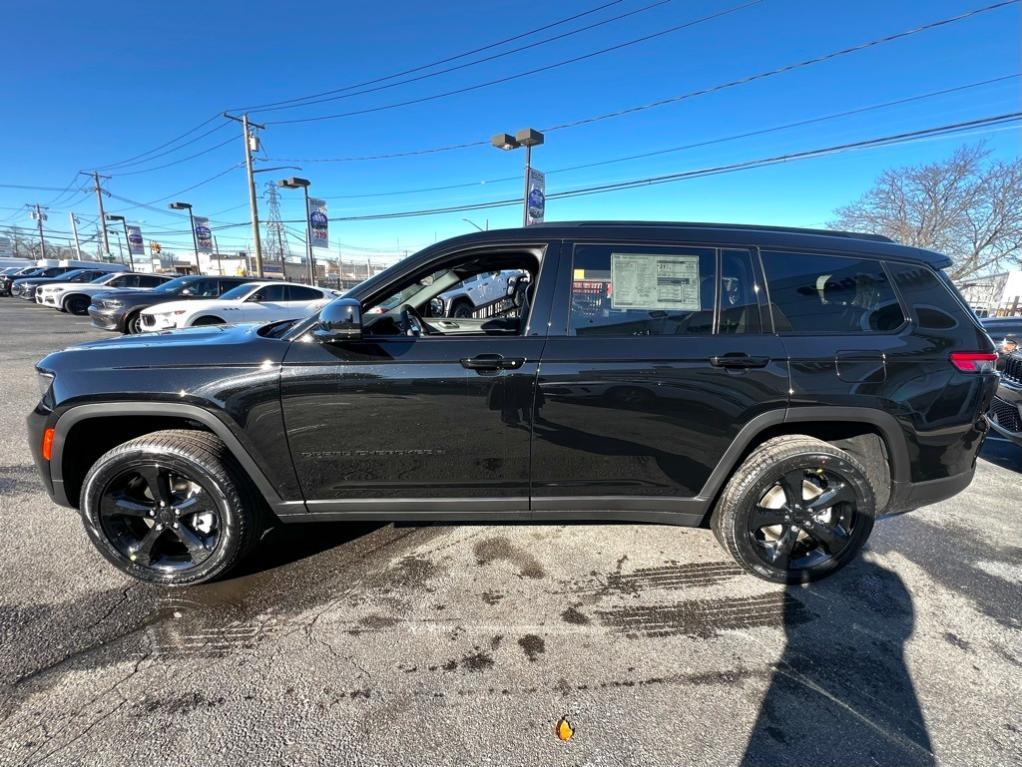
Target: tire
792,542
133,324
209,521
76,305
463,309
207,320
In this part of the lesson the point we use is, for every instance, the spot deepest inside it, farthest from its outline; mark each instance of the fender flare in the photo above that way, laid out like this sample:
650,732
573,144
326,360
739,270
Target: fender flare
80,413
887,424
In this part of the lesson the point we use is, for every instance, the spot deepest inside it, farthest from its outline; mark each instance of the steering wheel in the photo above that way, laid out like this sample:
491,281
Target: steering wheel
410,322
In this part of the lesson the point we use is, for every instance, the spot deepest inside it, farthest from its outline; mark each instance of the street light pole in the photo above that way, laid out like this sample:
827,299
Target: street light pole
127,240
528,138
191,221
293,183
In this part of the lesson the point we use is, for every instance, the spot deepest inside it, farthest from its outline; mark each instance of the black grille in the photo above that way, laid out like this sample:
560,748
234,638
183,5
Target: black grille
1013,368
1006,415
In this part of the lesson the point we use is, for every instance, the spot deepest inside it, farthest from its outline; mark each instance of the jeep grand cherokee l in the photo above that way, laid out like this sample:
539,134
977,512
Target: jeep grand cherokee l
784,387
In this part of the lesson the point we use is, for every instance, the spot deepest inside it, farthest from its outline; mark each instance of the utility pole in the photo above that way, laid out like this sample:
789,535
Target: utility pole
74,231
102,216
216,249
251,140
39,216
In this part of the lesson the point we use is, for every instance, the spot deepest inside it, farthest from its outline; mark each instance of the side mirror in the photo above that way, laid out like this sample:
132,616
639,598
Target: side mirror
340,320
436,307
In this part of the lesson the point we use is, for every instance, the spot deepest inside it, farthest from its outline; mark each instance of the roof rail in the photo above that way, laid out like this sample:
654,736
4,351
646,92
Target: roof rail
706,225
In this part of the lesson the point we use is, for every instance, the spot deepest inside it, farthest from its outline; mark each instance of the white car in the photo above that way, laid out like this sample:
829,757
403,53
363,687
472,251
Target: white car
252,302
75,297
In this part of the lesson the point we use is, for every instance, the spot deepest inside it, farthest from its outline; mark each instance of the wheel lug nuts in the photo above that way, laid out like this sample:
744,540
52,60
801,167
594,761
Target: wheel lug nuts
175,525
152,513
177,512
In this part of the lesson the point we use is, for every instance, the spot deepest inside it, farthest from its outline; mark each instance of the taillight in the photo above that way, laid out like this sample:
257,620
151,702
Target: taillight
974,362
47,444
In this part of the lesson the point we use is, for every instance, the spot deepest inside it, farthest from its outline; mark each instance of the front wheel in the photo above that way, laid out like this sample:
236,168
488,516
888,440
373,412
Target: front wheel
133,325
171,507
796,510
76,305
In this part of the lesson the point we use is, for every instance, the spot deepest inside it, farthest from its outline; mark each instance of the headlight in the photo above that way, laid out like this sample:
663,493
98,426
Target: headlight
113,303
45,380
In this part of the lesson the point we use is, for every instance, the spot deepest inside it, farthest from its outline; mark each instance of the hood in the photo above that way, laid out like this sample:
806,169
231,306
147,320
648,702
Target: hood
193,347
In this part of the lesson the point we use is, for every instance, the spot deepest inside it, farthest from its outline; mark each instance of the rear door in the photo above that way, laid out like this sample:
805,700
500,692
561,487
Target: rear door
658,355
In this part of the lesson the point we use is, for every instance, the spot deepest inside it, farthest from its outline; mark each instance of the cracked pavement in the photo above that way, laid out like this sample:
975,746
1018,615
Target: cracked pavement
375,645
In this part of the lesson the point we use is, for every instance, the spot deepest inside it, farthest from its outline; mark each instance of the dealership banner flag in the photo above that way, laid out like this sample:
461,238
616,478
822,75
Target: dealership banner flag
319,223
536,197
203,235
136,245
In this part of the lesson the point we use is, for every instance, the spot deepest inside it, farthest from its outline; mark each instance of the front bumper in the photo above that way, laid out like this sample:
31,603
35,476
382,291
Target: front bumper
37,422
47,299
106,319
158,322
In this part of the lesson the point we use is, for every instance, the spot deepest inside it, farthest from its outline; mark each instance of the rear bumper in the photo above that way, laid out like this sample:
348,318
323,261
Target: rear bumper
909,496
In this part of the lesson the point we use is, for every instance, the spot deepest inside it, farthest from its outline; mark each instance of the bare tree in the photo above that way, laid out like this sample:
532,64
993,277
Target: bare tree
966,206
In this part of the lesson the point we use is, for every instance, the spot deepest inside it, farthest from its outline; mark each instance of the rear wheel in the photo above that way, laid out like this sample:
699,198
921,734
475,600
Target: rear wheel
76,304
171,507
796,510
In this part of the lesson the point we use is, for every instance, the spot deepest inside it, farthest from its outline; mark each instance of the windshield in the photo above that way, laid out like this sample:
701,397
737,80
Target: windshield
176,285
73,273
236,294
53,271
103,278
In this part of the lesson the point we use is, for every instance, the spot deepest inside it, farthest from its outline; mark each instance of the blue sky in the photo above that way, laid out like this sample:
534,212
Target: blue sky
95,84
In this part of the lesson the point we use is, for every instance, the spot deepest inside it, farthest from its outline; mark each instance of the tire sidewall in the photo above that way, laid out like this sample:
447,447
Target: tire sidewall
133,323
108,467
76,302
738,528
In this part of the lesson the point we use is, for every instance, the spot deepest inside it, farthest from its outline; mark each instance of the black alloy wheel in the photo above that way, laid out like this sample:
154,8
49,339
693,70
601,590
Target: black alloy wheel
171,507
805,519
797,509
462,309
160,518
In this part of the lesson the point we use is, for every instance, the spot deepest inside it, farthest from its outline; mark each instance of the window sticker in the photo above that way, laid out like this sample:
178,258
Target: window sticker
655,281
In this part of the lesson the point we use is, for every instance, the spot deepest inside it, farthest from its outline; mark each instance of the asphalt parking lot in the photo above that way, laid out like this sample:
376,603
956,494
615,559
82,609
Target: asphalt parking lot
366,645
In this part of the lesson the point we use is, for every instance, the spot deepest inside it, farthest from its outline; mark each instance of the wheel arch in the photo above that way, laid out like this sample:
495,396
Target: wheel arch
204,319
85,432
859,430
71,294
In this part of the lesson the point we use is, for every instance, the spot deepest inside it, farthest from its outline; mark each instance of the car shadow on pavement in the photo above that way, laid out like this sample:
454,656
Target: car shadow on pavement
283,544
1003,453
841,693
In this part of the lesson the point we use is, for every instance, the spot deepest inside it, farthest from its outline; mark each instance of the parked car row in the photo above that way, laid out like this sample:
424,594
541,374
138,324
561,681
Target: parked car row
132,302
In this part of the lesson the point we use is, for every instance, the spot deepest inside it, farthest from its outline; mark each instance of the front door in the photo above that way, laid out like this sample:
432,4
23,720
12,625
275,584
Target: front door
657,356
436,424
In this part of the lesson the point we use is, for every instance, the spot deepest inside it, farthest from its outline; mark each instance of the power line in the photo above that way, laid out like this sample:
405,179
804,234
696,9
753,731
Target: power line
696,145
127,164
465,65
897,138
530,72
438,62
175,162
189,188
685,96
161,146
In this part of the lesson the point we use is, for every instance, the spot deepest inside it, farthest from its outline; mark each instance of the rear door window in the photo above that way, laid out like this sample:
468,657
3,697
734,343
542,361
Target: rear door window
642,290
270,293
297,293
817,293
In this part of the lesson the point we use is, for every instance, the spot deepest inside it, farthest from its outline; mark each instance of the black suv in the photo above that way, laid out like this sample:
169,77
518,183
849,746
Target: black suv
1005,414
122,310
785,387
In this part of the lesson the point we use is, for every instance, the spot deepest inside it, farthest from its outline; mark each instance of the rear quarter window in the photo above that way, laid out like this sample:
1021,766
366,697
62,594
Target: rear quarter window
821,293
932,305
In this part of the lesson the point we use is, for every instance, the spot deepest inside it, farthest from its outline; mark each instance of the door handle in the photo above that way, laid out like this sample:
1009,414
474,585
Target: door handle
492,362
739,360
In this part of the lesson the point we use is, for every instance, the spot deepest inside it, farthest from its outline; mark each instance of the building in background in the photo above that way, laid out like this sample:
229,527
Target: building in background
995,295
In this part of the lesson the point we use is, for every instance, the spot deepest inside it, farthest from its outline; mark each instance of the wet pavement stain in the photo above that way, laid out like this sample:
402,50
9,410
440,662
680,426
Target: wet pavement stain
706,618
533,646
491,597
575,617
500,549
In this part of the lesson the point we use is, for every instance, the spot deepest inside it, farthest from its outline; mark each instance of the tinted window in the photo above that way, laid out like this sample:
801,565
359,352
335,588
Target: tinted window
295,293
829,294
271,293
739,294
204,288
149,280
932,305
638,290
